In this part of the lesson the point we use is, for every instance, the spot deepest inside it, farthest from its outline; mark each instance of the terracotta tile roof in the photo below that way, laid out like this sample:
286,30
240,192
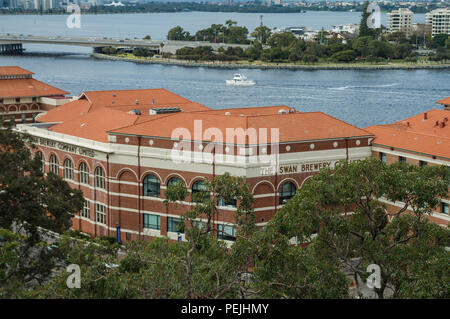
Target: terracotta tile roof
100,115
66,112
417,134
27,88
13,70
292,127
445,101
94,125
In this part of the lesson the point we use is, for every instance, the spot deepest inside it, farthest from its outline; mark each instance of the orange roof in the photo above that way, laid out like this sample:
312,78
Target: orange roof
292,126
13,70
94,125
94,114
445,101
27,88
65,112
417,134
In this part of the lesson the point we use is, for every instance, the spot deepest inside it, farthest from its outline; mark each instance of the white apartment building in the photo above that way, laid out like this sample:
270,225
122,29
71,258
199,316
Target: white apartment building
439,20
400,20
350,28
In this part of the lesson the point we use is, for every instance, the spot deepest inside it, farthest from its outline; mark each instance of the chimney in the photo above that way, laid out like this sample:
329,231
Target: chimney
407,123
425,116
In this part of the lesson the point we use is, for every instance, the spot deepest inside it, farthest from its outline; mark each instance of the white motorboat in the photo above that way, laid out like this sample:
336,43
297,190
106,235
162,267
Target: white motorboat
240,80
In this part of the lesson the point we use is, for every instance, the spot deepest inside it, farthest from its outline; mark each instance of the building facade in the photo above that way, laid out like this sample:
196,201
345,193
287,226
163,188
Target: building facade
423,139
401,20
22,98
439,20
123,148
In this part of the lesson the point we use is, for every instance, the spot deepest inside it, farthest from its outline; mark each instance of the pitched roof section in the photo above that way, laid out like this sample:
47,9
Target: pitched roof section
27,87
445,101
102,111
291,126
96,113
13,70
427,134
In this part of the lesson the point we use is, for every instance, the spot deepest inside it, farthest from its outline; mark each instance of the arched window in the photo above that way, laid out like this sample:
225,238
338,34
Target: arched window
197,187
151,186
54,165
173,181
68,169
286,192
41,157
99,177
84,173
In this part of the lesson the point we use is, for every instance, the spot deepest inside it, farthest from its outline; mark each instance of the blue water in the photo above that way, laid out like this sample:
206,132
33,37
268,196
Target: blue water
360,97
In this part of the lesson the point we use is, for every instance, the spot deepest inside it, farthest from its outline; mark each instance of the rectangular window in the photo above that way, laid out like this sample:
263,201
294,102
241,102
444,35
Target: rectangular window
226,232
423,163
402,159
172,225
152,221
18,100
100,213
231,203
445,208
86,212
34,99
383,157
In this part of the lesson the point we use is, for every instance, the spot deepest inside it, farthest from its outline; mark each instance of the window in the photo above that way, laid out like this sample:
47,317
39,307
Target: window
99,177
54,165
173,181
86,211
230,203
383,157
151,186
286,192
226,232
152,221
41,157
34,99
24,118
402,159
84,173
197,188
444,208
422,163
172,225
68,169
100,213
17,99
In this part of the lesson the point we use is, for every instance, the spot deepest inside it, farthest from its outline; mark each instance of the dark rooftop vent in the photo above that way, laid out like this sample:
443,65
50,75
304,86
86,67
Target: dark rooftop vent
164,110
135,111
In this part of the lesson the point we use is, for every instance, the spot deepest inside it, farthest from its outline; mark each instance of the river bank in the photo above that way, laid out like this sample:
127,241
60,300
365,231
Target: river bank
285,66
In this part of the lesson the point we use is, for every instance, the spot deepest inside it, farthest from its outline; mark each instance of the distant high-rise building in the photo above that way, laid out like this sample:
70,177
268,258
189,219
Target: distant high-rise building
439,20
400,20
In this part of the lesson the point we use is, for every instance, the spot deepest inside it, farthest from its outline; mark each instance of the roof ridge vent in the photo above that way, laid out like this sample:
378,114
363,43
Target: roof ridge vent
164,110
282,111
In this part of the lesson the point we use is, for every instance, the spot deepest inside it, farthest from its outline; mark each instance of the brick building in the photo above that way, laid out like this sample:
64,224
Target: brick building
23,98
423,139
123,148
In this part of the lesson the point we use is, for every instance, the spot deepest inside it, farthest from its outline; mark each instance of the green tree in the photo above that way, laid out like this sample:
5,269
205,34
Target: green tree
344,56
30,202
380,49
357,229
178,34
364,29
261,33
361,45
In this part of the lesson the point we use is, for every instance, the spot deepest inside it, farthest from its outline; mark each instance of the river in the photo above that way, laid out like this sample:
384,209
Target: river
360,97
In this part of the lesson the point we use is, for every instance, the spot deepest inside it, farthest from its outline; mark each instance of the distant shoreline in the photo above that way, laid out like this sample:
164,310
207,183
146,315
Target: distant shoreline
281,66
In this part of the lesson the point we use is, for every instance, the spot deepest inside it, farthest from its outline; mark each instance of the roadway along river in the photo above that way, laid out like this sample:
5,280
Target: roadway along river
360,97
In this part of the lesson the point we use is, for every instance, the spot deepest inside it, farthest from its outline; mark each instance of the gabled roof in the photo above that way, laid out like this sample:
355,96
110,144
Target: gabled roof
13,70
27,87
417,134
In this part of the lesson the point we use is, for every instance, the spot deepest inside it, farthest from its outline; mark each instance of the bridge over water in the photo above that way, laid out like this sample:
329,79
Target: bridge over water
12,43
